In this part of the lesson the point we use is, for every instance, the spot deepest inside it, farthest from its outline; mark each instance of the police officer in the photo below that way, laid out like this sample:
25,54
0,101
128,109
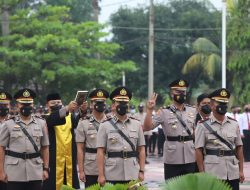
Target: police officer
25,162
86,134
177,122
203,107
5,99
222,158
122,139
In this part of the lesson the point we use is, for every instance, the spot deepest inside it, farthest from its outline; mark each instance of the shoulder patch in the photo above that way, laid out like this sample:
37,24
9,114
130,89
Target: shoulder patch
203,120
39,117
132,117
231,118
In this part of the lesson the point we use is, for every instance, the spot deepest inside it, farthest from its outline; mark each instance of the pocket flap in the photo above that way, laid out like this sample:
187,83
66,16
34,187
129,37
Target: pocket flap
133,134
91,157
12,161
171,147
91,132
211,160
236,161
211,137
39,161
110,162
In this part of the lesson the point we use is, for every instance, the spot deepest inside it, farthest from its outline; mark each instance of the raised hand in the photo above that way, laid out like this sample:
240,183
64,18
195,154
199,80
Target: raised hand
152,101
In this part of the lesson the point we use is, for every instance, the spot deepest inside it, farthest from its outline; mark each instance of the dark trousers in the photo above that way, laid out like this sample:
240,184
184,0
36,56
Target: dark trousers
90,180
146,137
161,140
234,184
30,185
173,170
152,142
3,185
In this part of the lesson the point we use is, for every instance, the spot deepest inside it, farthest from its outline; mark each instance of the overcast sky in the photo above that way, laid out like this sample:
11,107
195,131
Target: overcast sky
110,6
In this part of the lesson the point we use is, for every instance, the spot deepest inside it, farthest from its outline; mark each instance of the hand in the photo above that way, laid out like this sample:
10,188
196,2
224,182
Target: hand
3,177
141,176
84,106
242,177
82,176
101,180
151,103
45,175
72,106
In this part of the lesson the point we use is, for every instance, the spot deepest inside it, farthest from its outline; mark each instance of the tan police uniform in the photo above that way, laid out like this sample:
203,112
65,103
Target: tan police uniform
120,169
86,133
18,169
5,99
224,167
177,152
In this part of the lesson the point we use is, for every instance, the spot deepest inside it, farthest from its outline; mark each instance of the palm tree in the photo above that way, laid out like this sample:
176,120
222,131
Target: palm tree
205,60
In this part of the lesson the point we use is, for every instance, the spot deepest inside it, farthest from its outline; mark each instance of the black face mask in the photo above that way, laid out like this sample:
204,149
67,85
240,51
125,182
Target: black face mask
221,109
26,110
180,98
100,107
55,107
122,109
140,110
4,111
206,109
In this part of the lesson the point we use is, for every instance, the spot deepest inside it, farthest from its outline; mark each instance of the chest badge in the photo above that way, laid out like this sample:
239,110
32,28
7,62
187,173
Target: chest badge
174,126
114,140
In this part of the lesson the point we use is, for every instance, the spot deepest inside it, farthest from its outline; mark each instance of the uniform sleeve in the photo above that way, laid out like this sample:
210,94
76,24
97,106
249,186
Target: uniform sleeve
45,138
200,136
4,135
238,141
141,139
80,133
102,136
157,118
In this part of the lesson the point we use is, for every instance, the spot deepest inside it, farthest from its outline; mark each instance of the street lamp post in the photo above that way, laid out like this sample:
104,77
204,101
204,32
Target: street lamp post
224,14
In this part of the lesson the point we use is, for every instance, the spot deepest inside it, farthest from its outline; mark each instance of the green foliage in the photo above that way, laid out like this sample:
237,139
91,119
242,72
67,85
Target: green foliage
239,45
49,53
177,25
205,61
133,185
196,181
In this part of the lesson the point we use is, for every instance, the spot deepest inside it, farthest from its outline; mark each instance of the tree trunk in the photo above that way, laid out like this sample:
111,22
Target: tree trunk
5,24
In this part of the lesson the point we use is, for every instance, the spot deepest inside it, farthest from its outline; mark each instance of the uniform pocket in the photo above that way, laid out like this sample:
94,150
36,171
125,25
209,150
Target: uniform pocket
12,161
110,162
90,157
37,132
211,160
231,137
39,161
92,134
171,147
235,161
16,134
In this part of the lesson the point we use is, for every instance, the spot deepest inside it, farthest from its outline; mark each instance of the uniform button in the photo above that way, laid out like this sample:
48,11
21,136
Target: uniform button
184,131
125,147
123,127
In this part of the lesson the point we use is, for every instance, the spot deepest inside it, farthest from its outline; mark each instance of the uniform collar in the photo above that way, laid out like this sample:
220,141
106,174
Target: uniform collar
93,118
175,108
213,119
116,120
32,119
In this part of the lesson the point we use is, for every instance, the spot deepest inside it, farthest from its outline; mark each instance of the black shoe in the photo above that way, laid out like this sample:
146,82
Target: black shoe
146,162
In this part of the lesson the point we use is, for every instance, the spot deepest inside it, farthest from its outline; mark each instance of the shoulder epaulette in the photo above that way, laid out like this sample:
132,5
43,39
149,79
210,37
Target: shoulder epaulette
107,119
231,118
132,117
188,105
203,120
87,117
40,117
9,118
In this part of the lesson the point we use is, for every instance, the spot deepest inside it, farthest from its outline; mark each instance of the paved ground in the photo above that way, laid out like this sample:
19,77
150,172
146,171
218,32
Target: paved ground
154,174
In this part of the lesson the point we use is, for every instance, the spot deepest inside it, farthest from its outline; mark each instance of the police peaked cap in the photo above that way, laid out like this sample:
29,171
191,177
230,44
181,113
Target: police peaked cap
220,95
179,83
121,94
25,95
98,94
53,96
5,97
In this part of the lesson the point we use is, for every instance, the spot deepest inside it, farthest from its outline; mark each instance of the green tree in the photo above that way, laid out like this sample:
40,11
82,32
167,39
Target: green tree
205,62
239,46
177,25
48,53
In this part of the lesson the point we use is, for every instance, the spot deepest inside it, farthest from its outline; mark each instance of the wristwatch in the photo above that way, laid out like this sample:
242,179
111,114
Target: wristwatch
141,171
47,169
